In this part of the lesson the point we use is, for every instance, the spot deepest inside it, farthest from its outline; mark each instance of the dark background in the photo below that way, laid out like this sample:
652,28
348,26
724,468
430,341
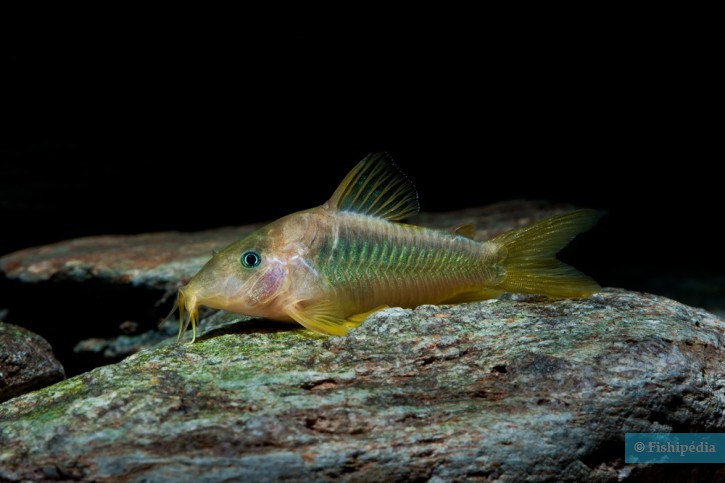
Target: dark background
185,124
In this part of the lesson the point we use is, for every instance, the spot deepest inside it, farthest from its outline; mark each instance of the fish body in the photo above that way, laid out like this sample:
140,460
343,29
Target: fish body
328,267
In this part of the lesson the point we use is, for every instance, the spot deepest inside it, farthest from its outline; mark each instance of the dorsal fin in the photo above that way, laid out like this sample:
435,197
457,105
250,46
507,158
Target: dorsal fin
467,230
376,187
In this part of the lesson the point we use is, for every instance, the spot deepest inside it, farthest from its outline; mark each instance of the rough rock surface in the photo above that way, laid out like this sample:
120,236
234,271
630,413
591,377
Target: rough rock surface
26,362
517,389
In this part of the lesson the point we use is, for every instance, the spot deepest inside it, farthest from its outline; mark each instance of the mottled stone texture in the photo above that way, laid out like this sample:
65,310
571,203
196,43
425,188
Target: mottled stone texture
26,362
517,389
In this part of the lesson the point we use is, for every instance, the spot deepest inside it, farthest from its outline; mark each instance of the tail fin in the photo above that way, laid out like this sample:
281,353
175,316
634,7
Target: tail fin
529,257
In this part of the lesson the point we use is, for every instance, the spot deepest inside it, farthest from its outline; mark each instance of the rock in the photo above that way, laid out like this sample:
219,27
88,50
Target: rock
26,362
155,260
516,389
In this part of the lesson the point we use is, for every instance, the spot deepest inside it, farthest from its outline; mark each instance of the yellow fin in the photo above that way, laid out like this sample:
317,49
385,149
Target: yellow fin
467,230
322,317
357,319
376,187
530,264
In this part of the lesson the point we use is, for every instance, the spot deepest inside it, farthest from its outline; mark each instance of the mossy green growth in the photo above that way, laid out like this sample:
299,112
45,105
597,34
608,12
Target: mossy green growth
449,392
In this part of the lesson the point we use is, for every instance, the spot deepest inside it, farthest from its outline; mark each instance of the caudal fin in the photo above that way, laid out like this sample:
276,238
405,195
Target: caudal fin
529,262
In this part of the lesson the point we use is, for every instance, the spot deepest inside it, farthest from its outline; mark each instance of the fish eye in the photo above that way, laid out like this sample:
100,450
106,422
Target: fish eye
251,259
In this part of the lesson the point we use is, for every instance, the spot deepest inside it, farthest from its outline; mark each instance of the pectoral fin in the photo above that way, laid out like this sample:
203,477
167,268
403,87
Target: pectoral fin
324,317
357,319
321,317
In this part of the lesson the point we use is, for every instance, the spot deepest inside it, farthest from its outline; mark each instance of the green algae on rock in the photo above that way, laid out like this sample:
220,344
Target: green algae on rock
514,389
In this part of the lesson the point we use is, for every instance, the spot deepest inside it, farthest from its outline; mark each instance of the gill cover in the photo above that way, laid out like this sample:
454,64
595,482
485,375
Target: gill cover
266,284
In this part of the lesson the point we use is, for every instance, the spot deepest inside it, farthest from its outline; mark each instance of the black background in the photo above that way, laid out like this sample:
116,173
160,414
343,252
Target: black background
185,123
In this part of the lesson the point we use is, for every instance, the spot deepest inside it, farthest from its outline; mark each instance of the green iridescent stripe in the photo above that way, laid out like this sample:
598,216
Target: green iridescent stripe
368,253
